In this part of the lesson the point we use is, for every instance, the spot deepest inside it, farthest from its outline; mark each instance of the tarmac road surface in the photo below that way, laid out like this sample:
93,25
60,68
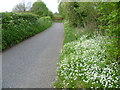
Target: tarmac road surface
32,63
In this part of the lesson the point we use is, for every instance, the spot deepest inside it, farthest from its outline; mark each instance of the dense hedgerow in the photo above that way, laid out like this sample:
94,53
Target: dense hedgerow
17,27
88,63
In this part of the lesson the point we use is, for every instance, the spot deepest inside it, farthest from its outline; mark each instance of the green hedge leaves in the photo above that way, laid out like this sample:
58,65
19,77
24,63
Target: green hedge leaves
17,27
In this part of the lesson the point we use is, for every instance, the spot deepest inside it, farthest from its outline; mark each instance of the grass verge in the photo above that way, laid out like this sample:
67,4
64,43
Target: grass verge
88,61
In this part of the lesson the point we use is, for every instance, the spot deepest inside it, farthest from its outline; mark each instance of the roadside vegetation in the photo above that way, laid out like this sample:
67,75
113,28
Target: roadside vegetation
21,24
57,18
90,57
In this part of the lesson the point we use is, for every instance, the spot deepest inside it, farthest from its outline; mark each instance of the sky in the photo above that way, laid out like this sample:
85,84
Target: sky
8,5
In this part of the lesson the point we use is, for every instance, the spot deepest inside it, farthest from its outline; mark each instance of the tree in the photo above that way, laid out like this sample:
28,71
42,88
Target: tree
22,7
78,13
40,8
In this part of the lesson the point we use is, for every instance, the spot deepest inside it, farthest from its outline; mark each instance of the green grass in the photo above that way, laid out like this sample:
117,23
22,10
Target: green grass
71,33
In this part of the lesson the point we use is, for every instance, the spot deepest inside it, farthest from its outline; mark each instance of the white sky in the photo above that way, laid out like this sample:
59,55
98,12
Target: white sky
8,5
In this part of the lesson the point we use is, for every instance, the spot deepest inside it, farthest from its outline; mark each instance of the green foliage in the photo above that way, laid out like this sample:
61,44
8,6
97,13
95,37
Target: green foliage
89,59
61,9
71,33
57,17
17,27
88,63
45,22
40,9
109,18
79,14
109,21
0,30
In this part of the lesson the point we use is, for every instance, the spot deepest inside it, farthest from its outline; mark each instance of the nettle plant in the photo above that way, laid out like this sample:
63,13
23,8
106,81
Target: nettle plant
87,63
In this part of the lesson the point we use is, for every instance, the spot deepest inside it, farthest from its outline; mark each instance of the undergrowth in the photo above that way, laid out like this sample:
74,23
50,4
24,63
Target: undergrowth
87,61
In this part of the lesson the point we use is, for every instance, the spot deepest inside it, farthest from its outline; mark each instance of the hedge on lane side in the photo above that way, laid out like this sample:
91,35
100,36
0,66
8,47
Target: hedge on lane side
17,27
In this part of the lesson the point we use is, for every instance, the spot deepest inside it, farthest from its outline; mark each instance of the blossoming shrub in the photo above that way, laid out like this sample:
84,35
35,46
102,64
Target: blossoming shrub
17,27
88,63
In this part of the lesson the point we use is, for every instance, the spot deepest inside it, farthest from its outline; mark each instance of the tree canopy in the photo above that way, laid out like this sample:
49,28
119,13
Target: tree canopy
40,9
22,7
78,14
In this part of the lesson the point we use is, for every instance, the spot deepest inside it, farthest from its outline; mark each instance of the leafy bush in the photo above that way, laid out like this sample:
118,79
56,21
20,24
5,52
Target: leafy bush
17,27
109,21
40,8
45,21
79,14
88,63
109,18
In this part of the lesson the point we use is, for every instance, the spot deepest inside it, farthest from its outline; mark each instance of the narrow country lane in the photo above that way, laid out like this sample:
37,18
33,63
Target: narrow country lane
32,63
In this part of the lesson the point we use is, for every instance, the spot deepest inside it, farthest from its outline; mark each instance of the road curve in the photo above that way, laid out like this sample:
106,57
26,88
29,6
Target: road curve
32,63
